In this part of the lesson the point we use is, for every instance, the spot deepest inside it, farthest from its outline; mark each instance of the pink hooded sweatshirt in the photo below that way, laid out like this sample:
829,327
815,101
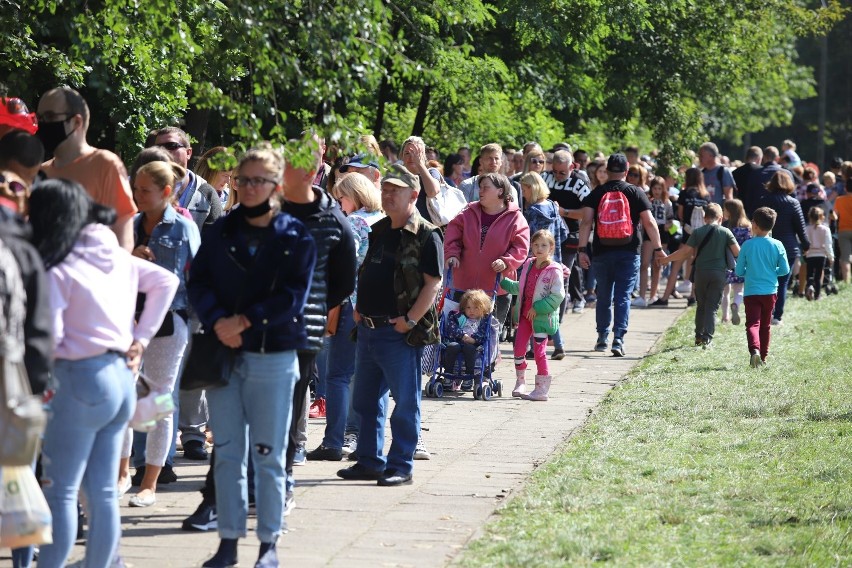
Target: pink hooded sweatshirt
508,239
93,297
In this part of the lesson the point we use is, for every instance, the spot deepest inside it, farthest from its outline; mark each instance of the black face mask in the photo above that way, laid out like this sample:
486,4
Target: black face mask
257,211
52,134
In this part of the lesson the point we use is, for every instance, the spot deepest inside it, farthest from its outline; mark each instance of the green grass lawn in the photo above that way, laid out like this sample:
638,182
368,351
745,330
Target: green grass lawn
699,460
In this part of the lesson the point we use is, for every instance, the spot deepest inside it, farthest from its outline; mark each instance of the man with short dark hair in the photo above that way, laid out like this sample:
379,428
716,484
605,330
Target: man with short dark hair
717,179
759,178
397,286
63,123
741,175
193,192
22,153
616,266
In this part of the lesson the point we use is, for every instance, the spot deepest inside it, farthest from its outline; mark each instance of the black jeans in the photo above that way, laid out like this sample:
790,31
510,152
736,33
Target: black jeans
816,267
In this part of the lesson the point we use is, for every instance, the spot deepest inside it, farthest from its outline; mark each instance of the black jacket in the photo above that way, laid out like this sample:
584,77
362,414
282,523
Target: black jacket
789,224
38,325
334,275
269,288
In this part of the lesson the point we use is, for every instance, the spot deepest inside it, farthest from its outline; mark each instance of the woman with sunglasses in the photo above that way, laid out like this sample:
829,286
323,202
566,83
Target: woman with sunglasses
534,161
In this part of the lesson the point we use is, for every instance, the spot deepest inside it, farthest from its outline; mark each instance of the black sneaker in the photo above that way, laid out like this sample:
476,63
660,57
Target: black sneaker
203,519
690,301
660,302
530,355
601,344
617,347
167,475
194,450
558,354
323,453
136,478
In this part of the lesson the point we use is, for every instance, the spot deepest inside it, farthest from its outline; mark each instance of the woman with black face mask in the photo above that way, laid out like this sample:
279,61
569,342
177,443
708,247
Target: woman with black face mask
248,284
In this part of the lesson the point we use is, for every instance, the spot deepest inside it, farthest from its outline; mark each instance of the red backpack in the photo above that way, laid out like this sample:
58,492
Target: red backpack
614,224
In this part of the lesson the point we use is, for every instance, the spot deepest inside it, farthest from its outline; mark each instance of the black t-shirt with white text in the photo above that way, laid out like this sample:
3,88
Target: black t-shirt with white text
569,194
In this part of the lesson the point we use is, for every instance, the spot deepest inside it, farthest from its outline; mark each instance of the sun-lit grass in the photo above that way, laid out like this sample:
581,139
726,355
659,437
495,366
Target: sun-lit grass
699,460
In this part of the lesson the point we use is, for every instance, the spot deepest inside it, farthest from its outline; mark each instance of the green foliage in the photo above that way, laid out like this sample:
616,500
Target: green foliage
699,460
484,70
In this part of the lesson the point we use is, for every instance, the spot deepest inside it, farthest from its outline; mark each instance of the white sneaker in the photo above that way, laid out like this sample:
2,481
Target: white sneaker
776,321
579,307
420,452
289,503
350,443
684,287
639,303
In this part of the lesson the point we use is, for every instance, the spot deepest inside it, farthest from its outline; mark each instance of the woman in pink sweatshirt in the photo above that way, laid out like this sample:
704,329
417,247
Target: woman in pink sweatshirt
488,237
92,284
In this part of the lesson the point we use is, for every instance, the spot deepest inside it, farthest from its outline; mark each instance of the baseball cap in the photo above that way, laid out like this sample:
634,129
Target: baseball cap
360,161
617,163
398,175
14,113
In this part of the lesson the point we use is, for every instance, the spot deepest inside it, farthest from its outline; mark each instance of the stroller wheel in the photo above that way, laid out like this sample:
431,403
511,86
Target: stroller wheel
486,392
498,388
477,393
427,390
438,391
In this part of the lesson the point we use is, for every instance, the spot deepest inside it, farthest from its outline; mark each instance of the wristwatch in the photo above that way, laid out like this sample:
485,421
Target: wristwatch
410,323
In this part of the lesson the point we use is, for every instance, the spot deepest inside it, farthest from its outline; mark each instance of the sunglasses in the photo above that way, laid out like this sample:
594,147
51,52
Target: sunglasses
536,161
634,174
171,146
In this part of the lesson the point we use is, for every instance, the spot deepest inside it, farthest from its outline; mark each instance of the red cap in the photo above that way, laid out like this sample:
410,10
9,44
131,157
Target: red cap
14,113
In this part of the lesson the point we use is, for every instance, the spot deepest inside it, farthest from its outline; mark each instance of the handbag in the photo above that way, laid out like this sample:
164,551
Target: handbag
22,416
151,406
446,204
208,363
24,510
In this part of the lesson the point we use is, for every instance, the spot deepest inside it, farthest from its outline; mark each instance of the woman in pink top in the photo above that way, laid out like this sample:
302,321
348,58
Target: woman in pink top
488,237
92,284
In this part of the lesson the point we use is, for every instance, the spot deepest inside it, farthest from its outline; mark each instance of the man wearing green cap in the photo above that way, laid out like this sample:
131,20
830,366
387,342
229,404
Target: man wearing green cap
397,286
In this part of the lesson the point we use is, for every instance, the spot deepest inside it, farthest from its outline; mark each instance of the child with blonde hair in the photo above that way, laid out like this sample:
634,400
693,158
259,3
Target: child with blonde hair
540,290
466,330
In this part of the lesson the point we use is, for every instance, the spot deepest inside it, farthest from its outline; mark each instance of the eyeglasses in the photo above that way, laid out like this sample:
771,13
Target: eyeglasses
633,174
536,161
171,146
243,181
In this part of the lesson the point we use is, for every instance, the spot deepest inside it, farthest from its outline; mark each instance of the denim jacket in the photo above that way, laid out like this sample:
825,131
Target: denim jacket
174,242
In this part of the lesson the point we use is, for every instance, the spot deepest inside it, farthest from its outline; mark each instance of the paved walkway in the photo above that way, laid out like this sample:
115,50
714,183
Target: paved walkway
482,453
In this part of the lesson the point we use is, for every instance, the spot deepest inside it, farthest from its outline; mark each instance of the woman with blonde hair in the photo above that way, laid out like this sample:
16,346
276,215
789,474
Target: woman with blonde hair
170,241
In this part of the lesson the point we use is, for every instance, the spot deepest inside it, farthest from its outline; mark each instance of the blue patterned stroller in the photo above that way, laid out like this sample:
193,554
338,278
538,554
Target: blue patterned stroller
454,378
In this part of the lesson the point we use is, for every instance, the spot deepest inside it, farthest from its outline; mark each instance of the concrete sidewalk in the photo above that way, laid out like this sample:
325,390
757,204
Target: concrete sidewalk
482,453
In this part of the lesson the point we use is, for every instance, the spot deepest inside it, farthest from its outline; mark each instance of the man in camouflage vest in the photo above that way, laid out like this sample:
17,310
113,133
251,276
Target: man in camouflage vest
397,286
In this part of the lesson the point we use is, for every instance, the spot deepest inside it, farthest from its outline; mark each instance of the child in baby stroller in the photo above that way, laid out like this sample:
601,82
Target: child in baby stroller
468,348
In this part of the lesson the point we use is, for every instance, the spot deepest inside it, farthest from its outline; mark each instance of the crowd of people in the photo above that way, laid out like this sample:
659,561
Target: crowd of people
317,290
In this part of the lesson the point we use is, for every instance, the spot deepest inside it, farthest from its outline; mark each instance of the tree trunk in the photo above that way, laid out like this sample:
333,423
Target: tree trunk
422,108
195,124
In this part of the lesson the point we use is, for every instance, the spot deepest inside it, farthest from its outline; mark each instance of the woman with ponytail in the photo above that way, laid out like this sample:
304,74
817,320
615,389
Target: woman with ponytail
170,241
93,284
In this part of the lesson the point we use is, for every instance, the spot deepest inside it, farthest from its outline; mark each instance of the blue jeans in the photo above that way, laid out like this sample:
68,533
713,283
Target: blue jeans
384,362
341,366
94,400
783,281
256,407
616,273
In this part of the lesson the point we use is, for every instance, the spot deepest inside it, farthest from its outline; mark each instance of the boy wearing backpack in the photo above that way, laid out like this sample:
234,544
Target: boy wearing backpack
616,209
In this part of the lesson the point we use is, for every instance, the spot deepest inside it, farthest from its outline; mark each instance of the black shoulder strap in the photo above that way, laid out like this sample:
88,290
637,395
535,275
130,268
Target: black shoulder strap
704,241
